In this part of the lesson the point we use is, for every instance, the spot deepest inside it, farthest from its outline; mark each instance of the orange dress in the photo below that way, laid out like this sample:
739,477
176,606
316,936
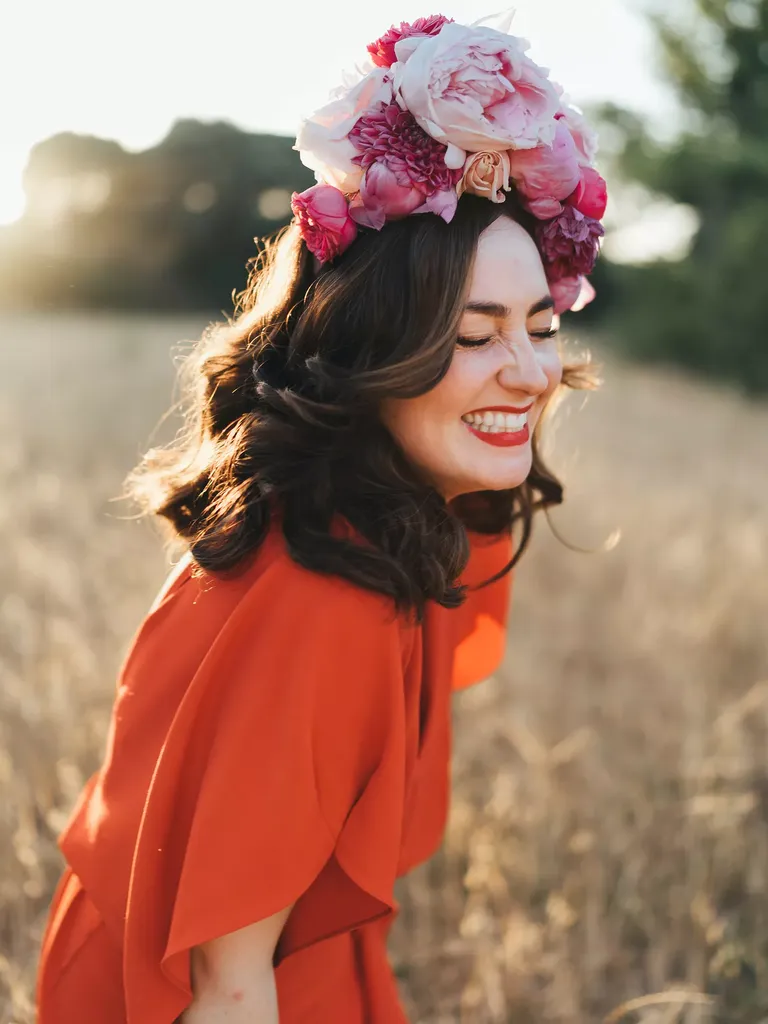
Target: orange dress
278,737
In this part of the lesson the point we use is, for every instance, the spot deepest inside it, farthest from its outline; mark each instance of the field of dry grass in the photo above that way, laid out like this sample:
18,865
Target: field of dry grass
607,853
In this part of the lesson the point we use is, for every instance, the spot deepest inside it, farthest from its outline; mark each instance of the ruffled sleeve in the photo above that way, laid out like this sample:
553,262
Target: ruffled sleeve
280,780
479,626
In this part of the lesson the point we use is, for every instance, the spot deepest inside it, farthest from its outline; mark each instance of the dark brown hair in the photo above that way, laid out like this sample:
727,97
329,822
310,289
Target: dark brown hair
282,406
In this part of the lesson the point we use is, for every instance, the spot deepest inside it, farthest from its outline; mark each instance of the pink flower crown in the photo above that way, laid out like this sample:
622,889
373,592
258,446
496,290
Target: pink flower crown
442,109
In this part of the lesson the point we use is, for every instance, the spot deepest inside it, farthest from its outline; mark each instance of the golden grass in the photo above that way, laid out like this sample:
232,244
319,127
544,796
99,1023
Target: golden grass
607,853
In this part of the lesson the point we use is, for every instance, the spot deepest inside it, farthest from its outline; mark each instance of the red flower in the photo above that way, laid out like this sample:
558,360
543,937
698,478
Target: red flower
591,194
382,51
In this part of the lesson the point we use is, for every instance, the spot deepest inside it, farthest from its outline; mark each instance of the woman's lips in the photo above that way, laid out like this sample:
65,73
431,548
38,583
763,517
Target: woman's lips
504,439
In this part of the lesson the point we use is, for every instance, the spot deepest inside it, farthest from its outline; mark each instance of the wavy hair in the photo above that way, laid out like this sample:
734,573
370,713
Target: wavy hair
281,415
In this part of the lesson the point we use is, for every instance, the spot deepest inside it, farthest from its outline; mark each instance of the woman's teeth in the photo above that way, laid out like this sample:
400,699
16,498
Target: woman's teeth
496,422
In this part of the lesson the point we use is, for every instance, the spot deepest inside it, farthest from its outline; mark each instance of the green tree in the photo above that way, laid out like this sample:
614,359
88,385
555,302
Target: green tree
168,227
707,311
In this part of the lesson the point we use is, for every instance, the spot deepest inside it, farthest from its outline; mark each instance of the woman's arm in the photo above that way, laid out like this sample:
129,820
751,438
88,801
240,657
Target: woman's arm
232,977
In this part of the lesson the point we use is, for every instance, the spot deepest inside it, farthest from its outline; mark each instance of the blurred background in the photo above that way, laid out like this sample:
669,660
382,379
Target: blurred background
607,853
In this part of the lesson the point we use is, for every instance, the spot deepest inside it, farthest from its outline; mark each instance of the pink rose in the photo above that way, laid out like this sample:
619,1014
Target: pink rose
382,51
547,175
323,140
591,194
486,175
322,213
473,89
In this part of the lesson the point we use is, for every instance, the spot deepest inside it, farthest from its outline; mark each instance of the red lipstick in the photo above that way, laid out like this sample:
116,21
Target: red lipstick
504,408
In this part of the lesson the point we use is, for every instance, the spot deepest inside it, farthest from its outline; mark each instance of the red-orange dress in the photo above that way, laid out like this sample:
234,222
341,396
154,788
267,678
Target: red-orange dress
277,737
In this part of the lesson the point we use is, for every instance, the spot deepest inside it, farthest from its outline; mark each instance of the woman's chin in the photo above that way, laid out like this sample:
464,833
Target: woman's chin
468,478
495,483
513,476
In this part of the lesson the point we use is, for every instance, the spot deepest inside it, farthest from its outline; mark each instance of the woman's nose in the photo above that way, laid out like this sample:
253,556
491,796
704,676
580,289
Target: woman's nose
522,370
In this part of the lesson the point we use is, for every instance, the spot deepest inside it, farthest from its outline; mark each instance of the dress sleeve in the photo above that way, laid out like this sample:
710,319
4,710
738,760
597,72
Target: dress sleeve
480,624
281,780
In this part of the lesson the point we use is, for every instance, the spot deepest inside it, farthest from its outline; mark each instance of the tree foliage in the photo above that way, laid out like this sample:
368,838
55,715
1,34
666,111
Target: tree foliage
705,312
172,226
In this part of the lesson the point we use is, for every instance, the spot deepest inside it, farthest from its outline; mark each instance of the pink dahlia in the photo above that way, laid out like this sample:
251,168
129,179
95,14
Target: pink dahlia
382,51
405,170
569,244
391,135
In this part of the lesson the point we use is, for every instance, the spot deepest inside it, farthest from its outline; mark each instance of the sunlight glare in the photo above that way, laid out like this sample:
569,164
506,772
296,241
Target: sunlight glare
11,195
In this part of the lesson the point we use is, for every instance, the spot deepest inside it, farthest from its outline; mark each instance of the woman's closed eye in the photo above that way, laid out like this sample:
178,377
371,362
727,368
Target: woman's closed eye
479,342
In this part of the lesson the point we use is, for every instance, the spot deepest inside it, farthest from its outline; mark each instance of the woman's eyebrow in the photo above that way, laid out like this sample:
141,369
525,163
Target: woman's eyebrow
499,310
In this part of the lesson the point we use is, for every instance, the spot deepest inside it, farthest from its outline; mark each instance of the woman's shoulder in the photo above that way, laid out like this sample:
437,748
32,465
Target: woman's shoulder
269,585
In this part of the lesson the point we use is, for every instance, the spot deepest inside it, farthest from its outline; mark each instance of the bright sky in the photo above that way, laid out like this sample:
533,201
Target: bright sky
127,71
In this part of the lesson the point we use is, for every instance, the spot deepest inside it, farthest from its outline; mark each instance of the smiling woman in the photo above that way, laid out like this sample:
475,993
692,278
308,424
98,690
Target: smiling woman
330,490
363,441
497,385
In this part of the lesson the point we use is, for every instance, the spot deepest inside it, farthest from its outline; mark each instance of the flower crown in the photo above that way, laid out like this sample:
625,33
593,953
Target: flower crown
442,109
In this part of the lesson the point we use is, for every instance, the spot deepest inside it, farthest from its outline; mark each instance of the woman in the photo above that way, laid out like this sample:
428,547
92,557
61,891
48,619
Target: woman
363,436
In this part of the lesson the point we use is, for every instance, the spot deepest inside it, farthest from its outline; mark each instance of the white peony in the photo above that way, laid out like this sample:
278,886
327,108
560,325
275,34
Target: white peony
475,90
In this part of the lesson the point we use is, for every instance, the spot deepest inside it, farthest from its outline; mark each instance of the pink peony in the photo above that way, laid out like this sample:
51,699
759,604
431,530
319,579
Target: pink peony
591,194
486,175
565,292
404,169
569,244
571,293
584,136
382,51
473,89
382,198
323,140
442,204
547,175
586,295
322,213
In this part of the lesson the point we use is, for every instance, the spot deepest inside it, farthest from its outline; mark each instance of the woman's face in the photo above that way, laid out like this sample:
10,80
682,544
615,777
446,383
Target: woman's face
472,432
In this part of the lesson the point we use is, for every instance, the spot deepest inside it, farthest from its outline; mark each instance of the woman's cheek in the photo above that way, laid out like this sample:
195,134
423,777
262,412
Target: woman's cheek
468,375
553,367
